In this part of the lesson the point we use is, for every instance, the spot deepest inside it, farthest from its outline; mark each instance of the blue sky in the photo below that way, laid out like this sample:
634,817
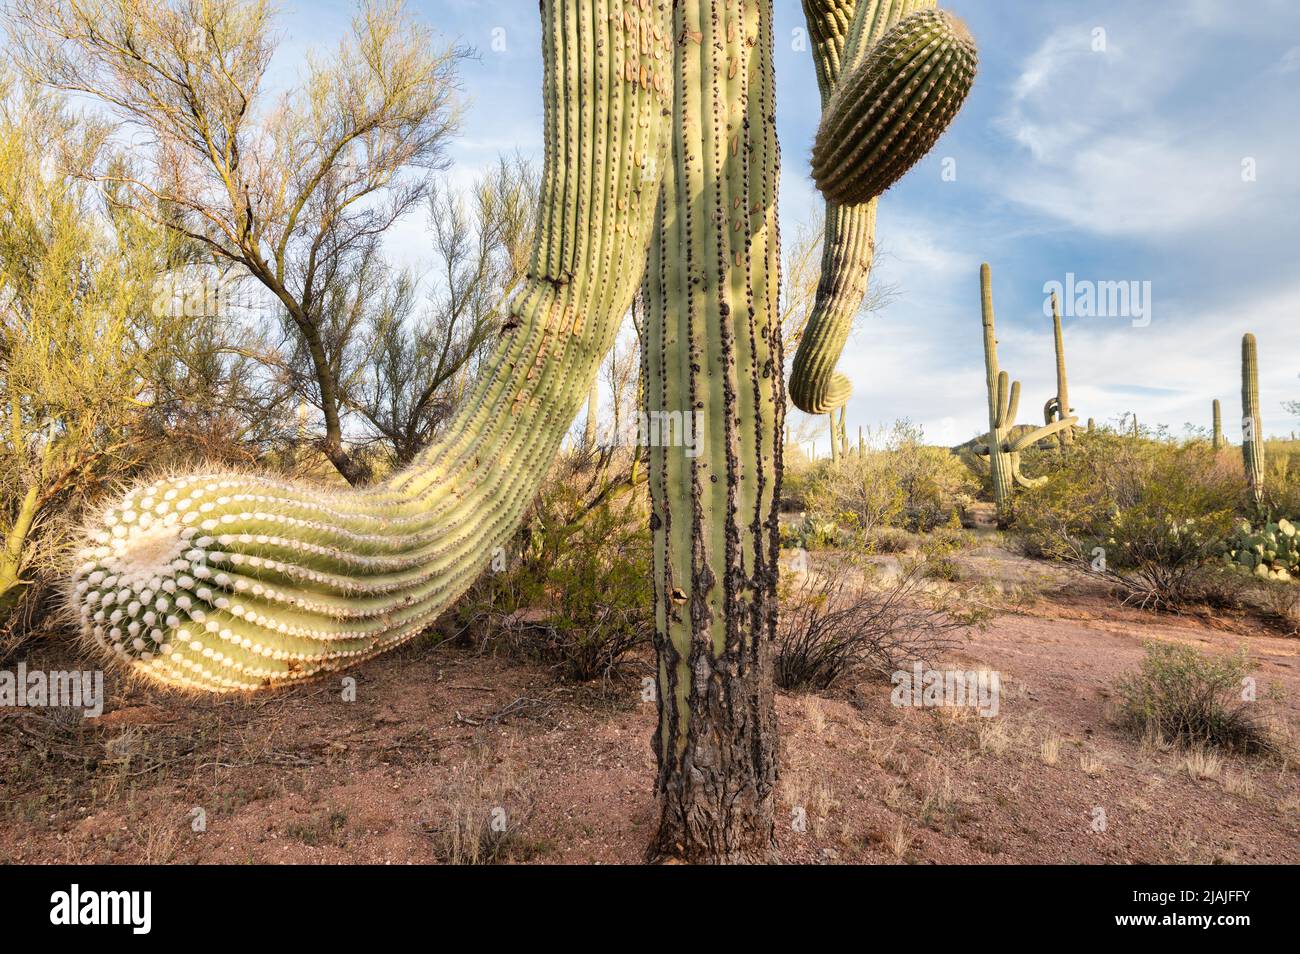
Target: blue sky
1117,155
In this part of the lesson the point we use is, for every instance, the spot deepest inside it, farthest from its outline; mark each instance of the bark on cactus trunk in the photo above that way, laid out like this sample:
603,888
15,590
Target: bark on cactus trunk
713,352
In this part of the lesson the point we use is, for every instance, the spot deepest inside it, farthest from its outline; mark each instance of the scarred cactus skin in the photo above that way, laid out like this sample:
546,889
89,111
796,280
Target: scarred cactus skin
1252,427
843,33
889,111
713,348
230,581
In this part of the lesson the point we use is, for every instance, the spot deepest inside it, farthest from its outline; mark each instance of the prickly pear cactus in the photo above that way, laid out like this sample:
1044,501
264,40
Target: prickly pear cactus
1272,552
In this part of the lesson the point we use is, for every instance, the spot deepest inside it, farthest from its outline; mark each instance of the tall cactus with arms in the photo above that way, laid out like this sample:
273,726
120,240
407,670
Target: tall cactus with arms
228,582
997,454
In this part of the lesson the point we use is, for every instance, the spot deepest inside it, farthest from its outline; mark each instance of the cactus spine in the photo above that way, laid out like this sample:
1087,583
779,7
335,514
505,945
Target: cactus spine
1216,438
713,348
230,581
1252,428
997,454
843,32
1058,407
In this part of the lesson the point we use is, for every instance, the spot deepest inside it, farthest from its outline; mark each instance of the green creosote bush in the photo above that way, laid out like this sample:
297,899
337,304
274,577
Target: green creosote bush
1146,516
902,483
1181,695
576,591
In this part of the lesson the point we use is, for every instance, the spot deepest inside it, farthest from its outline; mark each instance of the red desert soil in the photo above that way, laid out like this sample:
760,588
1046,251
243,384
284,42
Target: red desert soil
439,734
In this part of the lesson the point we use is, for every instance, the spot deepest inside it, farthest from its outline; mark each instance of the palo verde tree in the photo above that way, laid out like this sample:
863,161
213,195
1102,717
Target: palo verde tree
660,138
79,340
295,191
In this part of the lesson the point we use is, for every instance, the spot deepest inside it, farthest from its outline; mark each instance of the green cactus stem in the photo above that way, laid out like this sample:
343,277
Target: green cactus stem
1252,427
843,33
1216,437
712,348
862,443
1058,406
589,425
835,436
890,110
234,581
997,454
1092,426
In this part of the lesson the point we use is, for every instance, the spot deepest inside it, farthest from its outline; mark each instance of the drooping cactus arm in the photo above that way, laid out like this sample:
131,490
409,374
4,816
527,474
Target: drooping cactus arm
1029,483
843,32
890,109
1030,438
231,581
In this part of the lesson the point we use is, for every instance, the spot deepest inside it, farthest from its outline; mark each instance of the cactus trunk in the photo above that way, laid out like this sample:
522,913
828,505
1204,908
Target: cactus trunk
1216,438
1061,402
713,349
1001,402
1252,428
234,581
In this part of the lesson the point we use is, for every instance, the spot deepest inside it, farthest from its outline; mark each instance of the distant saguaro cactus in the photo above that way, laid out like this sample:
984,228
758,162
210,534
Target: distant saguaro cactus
1058,406
1216,439
997,454
1252,427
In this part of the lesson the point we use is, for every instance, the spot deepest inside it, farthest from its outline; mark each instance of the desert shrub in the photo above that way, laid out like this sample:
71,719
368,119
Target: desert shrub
576,594
1184,696
860,492
1146,515
899,482
812,532
836,624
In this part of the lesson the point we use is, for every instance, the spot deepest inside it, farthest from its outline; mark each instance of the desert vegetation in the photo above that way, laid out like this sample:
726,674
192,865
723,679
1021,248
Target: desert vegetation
574,541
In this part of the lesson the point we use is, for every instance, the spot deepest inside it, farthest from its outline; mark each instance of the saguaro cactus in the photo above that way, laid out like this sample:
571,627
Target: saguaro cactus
1216,438
1252,427
1058,406
866,63
233,581
1004,442
713,348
